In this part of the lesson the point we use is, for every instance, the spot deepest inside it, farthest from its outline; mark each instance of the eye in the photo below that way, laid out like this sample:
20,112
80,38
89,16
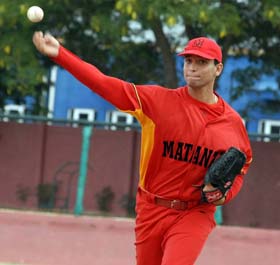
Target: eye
188,60
202,61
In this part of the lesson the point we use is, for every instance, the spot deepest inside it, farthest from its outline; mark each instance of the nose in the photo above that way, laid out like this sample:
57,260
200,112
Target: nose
192,67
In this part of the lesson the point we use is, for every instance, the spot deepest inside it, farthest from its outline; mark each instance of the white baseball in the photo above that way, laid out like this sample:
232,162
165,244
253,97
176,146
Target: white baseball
35,14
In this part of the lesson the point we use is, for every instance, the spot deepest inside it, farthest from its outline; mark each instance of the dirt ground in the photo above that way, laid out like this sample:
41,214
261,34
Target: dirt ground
34,238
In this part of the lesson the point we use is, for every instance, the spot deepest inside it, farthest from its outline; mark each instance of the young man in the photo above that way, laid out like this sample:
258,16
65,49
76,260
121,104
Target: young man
183,131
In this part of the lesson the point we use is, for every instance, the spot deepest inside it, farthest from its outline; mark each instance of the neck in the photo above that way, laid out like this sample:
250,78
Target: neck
204,95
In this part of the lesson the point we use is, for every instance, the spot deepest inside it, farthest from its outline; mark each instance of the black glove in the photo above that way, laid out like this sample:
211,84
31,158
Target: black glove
222,173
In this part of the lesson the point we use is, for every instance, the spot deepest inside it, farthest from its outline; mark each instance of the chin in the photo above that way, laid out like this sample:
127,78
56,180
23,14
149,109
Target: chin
194,85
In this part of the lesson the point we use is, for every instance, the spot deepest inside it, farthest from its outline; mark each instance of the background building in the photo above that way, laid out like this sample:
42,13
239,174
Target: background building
258,104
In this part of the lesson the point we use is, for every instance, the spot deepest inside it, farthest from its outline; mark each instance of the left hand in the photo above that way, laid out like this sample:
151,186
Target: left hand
209,187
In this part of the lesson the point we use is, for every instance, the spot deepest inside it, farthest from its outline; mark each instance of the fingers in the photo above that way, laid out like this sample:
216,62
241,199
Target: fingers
50,39
38,40
36,36
220,202
46,44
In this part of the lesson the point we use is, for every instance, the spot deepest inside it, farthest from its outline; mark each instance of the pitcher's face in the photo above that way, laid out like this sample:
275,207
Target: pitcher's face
200,72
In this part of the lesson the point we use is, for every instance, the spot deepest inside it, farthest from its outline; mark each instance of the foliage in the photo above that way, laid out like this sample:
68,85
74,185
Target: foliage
20,69
23,193
240,27
131,39
46,193
128,203
105,198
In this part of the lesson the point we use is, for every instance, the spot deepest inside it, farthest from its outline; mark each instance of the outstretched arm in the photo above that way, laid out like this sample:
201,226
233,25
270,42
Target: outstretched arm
118,92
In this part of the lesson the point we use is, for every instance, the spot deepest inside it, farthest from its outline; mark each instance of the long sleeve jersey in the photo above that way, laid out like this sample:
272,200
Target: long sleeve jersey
181,136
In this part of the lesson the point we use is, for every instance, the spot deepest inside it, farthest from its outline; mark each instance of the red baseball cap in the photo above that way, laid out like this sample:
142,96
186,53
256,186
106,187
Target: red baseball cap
203,47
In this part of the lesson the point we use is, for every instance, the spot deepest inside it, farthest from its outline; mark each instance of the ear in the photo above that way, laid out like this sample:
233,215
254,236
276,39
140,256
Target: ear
219,69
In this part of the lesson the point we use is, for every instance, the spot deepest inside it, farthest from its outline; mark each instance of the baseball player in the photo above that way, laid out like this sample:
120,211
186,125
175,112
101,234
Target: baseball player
184,131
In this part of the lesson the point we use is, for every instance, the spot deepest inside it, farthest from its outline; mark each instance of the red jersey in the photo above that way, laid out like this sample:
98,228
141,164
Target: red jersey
181,136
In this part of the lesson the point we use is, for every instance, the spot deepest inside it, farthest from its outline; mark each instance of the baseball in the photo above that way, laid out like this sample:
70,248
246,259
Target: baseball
35,14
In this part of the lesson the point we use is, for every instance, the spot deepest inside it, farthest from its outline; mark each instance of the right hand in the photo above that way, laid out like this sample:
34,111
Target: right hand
209,188
46,44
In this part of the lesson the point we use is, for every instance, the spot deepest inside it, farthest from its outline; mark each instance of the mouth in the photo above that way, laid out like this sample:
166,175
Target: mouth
193,77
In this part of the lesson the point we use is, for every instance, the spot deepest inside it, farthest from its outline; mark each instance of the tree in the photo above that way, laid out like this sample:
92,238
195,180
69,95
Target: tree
19,67
123,37
89,28
240,27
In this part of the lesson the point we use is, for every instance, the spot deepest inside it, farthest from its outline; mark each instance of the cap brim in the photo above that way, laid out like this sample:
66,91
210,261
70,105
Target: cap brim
195,52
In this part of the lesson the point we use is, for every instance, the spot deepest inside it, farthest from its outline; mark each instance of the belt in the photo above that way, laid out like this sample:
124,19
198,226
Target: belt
175,204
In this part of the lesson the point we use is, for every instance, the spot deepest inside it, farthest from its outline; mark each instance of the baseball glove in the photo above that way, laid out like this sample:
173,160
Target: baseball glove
222,173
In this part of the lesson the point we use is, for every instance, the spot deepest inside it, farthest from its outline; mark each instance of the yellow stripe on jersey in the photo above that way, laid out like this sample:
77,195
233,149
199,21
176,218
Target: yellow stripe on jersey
147,142
137,95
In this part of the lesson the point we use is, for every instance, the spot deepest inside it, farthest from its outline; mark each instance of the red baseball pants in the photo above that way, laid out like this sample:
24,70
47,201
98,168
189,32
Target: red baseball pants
170,237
